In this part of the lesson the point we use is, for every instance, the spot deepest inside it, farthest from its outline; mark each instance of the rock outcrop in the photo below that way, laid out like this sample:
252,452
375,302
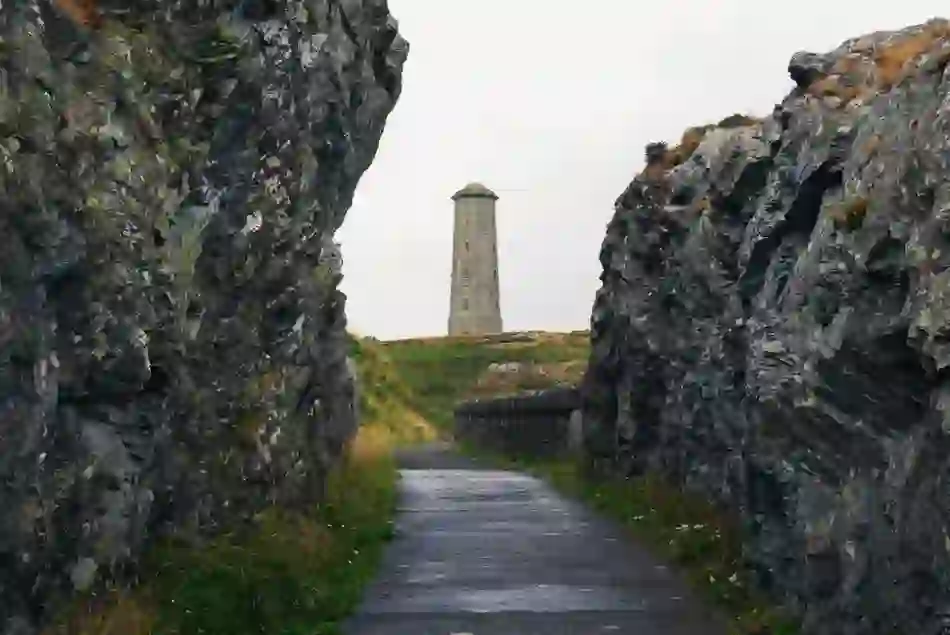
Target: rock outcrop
172,338
773,329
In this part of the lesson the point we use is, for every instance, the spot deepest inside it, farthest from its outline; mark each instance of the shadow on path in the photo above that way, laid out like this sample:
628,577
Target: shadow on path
481,551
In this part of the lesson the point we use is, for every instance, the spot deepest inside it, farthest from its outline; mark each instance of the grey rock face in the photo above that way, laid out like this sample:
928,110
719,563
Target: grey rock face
172,344
772,330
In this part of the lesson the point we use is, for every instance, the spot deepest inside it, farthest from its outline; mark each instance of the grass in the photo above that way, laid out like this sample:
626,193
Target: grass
293,573
684,529
891,60
835,86
668,158
439,372
527,377
690,141
287,572
387,400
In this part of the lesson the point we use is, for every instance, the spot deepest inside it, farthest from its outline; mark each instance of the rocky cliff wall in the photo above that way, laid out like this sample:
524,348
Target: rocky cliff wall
172,345
773,325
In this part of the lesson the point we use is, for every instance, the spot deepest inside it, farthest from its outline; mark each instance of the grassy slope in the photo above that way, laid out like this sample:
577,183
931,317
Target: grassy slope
288,573
386,399
440,371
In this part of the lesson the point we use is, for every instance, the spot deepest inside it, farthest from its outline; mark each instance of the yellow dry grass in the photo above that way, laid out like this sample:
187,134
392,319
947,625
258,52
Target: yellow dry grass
833,86
114,613
385,401
689,142
892,61
848,65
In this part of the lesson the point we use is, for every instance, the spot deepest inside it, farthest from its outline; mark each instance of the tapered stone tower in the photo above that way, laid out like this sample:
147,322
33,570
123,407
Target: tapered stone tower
475,309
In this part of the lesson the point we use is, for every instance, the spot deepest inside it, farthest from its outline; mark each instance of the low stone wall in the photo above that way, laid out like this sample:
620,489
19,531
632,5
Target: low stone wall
545,423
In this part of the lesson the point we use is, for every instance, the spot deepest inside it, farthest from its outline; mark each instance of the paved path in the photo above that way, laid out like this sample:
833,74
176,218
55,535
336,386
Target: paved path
486,552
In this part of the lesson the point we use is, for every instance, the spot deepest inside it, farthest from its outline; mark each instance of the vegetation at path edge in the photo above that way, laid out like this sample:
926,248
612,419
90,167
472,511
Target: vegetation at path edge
684,529
294,572
287,573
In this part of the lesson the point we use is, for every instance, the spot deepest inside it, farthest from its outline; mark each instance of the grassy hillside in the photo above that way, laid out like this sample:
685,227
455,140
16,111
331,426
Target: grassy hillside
437,372
386,400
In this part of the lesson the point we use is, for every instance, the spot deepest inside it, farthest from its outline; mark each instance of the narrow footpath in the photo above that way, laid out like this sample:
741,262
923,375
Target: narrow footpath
486,552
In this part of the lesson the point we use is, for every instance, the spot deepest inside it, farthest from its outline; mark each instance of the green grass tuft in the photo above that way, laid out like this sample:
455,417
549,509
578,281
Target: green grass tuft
291,574
287,573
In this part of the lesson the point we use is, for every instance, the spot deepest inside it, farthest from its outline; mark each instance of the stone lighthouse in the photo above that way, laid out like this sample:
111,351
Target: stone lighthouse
474,308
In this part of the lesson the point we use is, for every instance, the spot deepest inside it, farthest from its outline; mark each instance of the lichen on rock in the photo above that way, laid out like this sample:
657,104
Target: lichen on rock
172,335
771,330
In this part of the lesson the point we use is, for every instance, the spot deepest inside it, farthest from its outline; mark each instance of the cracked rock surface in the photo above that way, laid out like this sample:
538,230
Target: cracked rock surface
773,328
172,336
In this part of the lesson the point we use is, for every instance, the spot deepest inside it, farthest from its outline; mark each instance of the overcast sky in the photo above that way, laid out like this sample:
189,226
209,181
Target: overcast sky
550,103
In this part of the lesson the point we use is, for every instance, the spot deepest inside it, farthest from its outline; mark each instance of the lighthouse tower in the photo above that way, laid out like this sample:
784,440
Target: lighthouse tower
474,307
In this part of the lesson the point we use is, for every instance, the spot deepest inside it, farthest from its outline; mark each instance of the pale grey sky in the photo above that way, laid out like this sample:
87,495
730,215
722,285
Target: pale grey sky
550,103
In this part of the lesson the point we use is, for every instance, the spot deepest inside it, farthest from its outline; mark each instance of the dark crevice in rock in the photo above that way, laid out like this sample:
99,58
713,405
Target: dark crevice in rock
345,22
735,209
885,261
683,197
796,226
158,380
389,80
260,10
852,383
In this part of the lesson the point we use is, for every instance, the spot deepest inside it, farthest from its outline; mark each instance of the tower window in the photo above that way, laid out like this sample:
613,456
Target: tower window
466,246
465,304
